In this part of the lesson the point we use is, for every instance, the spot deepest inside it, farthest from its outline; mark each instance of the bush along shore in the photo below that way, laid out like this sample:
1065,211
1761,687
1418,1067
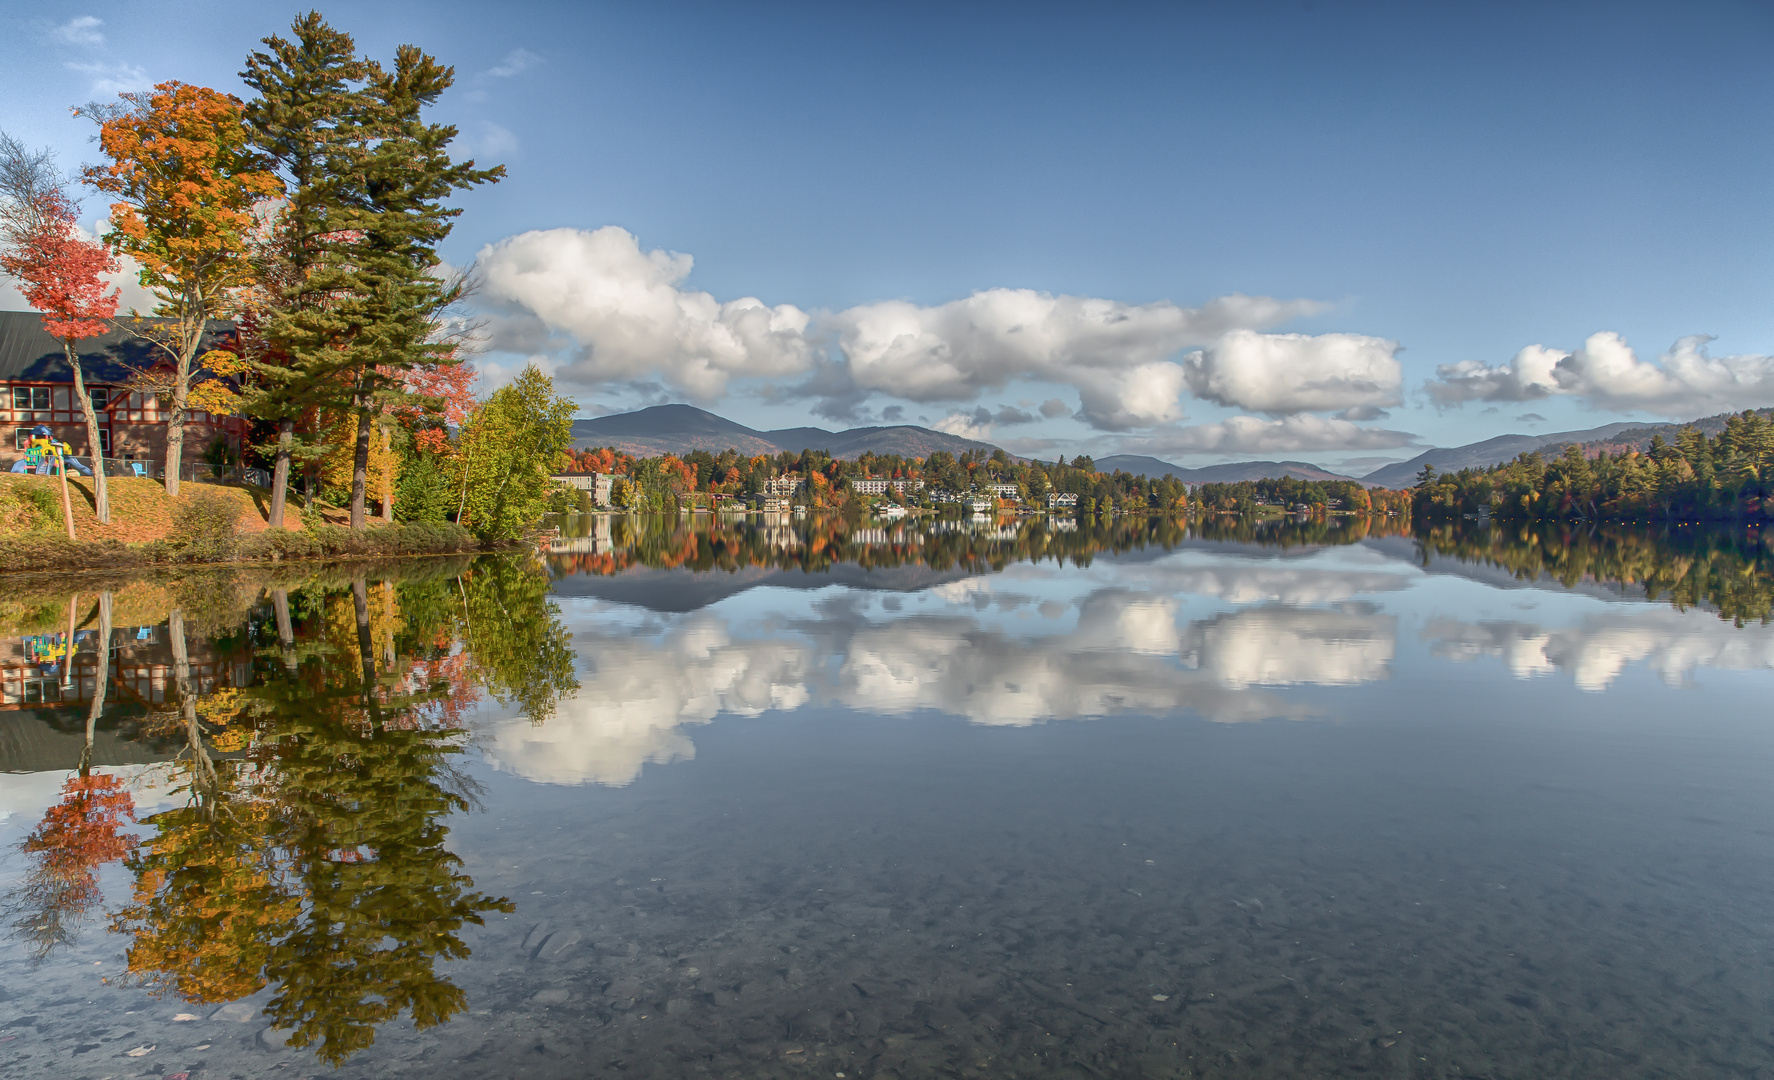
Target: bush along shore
203,526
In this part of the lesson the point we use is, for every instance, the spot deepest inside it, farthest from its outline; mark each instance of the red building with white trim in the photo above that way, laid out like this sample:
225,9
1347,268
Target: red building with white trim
36,387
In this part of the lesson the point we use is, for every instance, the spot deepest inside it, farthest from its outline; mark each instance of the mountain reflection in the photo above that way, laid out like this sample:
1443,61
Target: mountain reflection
276,766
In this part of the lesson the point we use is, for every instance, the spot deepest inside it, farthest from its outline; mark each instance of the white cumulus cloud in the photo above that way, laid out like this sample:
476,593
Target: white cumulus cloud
625,308
1115,354
632,316
1606,373
1291,373
1528,376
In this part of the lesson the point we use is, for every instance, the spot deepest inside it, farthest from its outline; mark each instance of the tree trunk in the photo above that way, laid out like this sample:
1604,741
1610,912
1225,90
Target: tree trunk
175,422
205,781
67,504
286,634
365,647
280,475
68,660
360,462
100,681
101,499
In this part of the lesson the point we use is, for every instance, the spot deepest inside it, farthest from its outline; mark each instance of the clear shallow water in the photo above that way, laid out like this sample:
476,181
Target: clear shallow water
1197,808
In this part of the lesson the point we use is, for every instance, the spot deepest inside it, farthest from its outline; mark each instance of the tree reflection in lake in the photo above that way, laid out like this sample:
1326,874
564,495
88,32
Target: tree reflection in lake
298,846
1728,571
306,848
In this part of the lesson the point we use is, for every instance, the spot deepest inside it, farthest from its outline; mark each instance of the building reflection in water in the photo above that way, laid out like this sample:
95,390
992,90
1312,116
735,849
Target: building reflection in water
276,770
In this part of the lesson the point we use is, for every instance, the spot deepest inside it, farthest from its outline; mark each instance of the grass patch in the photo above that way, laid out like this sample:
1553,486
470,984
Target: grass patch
207,523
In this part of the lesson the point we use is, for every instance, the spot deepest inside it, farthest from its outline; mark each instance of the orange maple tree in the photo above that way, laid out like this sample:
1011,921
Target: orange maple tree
186,184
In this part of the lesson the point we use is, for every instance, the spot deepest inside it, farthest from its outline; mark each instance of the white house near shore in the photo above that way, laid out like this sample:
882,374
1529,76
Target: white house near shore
598,484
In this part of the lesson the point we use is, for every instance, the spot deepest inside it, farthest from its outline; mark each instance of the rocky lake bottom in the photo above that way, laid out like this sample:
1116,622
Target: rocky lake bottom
804,833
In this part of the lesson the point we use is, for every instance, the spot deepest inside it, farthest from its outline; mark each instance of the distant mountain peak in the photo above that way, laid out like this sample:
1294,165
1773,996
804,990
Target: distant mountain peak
679,429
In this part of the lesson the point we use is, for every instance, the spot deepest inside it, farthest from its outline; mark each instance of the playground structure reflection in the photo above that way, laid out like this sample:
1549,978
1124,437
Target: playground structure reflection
310,777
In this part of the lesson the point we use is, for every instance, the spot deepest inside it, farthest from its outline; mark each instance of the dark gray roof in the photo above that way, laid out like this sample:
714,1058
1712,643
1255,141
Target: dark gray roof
28,354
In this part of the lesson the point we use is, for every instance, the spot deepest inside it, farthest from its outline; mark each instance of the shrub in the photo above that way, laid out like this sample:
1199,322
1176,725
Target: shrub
423,491
204,528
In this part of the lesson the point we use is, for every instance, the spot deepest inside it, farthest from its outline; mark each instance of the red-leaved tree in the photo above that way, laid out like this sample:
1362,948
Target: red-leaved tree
62,274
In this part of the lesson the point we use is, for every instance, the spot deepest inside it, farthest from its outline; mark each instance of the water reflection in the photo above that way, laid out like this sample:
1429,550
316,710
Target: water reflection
304,846
1597,650
275,771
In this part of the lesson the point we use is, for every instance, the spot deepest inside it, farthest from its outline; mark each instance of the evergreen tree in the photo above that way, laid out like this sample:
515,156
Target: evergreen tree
312,119
357,310
405,177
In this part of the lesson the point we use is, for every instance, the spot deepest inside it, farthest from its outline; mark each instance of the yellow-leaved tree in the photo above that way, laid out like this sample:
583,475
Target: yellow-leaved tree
185,184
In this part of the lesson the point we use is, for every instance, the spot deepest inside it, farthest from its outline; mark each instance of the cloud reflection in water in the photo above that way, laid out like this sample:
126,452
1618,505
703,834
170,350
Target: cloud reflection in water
1595,651
1127,652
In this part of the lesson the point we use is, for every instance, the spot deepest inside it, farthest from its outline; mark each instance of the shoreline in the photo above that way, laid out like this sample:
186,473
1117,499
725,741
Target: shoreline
39,553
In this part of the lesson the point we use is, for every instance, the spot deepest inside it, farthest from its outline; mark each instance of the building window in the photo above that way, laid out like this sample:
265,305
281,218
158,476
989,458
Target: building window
104,440
99,397
30,398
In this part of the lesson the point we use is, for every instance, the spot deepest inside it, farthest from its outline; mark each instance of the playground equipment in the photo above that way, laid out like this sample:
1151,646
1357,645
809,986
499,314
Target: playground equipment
50,458
46,457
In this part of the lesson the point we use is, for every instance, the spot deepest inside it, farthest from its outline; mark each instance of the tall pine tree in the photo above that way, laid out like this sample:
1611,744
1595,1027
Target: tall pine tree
313,119
355,301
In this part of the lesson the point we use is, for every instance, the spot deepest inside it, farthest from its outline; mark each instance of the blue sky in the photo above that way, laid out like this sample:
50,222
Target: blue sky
912,193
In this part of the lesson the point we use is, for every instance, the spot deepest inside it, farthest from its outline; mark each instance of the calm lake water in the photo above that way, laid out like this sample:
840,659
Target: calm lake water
801,799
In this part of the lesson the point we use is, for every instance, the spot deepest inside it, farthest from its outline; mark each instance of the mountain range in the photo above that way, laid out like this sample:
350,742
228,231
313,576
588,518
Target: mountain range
1230,472
1629,435
678,429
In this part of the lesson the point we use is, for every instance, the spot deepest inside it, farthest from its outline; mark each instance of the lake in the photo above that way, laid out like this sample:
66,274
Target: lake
801,798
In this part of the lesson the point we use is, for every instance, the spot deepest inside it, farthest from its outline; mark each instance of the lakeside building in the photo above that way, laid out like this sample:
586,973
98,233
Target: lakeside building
1002,491
598,484
1062,500
39,389
880,485
783,487
596,542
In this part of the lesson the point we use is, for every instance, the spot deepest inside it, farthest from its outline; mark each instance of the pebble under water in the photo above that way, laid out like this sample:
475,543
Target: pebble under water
1191,808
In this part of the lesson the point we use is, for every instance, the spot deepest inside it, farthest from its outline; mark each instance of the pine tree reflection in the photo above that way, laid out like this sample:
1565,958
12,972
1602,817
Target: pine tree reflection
313,860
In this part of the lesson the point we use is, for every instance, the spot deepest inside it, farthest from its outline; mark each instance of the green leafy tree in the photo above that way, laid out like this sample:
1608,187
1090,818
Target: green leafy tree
508,450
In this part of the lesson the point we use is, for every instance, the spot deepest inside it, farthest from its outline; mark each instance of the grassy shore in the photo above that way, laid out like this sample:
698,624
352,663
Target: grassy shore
207,523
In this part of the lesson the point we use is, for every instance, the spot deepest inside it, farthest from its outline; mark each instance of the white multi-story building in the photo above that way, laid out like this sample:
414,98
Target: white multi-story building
1002,491
880,485
783,487
599,484
1062,500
